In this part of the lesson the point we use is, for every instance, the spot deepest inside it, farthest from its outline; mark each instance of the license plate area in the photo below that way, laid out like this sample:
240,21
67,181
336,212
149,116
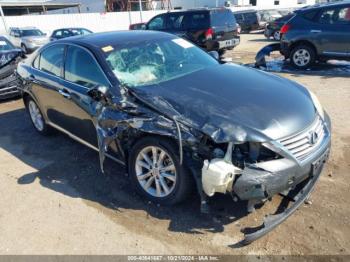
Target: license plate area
231,42
318,164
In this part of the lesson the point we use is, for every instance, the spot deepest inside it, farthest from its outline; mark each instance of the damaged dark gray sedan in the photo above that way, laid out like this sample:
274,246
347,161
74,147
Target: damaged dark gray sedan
178,119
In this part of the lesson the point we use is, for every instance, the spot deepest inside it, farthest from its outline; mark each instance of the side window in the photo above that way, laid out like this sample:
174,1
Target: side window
157,23
36,62
175,21
58,33
199,21
338,16
81,68
343,16
239,17
51,60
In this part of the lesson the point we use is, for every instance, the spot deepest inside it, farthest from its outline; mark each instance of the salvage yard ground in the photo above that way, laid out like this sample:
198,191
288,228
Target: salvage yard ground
54,199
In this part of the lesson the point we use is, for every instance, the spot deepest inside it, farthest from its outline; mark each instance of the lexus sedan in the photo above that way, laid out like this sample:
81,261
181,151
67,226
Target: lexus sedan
178,119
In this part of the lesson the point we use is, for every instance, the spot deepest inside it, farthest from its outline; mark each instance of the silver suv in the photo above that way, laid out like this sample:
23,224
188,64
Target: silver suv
28,38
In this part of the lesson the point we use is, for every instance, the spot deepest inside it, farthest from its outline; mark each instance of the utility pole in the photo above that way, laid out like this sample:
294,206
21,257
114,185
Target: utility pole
140,4
3,19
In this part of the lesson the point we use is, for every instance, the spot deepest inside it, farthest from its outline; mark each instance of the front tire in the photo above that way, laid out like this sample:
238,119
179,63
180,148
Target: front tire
156,173
302,56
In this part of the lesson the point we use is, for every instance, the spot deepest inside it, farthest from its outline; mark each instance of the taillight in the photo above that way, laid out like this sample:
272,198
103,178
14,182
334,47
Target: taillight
285,28
209,34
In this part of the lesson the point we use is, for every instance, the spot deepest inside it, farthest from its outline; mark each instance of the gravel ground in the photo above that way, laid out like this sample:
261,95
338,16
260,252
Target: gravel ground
54,200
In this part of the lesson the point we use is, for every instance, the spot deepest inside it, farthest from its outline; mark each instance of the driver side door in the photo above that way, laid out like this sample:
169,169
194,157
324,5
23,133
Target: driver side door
81,72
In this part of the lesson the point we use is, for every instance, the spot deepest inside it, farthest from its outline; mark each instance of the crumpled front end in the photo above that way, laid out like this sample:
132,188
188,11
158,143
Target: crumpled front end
298,159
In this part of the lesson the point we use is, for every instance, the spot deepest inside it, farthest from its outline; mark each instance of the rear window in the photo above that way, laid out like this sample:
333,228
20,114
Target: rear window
222,17
198,20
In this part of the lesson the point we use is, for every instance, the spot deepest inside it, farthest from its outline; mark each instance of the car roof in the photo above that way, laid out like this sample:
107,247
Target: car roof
323,5
100,40
198,9
245,11
70,28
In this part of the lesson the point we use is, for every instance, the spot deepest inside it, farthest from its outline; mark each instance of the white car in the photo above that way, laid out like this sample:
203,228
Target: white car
28,38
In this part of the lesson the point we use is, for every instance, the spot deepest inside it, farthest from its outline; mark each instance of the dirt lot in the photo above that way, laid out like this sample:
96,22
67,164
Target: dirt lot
54,200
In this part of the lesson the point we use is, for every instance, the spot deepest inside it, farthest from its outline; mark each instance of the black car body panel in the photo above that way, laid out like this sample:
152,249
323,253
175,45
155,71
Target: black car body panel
228,115
204,112
321,28
249,20
210,29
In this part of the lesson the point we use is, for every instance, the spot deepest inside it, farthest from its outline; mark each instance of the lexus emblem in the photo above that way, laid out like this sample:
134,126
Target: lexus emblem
313,138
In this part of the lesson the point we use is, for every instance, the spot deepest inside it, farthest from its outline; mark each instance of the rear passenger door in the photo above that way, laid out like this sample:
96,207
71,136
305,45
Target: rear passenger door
333,31
175,24
46,80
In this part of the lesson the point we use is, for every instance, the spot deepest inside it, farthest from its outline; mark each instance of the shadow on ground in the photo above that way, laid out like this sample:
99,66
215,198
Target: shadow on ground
73,170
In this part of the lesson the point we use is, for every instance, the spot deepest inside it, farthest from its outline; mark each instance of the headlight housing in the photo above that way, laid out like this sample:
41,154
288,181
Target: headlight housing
317,104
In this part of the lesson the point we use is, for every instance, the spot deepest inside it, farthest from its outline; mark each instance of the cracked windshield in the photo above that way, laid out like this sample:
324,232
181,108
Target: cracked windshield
147,63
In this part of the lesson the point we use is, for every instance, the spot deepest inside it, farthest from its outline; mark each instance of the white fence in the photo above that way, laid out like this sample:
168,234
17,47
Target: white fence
97,22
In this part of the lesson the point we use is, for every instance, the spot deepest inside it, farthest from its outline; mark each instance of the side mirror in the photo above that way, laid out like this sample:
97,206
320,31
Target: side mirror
100,94
143,27
214,54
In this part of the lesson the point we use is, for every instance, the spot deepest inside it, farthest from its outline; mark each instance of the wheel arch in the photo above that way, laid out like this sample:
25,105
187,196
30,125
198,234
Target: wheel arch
304,42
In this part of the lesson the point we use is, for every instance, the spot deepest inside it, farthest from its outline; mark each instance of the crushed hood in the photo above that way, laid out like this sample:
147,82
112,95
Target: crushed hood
234,103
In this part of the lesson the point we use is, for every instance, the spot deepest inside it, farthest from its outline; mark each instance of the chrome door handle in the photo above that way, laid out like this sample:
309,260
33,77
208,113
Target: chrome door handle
316,31
65,94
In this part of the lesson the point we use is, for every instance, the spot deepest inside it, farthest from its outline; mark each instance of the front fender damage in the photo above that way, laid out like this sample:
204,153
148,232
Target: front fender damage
129,118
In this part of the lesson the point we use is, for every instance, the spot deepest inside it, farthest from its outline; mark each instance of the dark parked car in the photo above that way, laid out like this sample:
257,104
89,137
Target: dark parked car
137,26
9,57
273,28
250,20
317,33
67,32
176,117
211,29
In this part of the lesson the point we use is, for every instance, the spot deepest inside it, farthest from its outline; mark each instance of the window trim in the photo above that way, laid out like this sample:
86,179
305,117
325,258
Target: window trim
40,53
64,63
92,55
165,18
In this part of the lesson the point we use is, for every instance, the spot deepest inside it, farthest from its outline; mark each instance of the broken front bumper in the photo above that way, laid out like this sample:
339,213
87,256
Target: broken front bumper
272,221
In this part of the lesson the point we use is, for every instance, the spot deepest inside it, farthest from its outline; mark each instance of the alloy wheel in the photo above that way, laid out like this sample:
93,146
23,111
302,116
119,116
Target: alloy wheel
36,116
156,171
301,57
277,35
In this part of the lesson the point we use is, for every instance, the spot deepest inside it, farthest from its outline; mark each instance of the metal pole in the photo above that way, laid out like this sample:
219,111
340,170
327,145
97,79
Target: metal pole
140,4
3,19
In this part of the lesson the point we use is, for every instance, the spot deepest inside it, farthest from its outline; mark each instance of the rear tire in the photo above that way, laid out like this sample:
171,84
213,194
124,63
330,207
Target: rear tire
277,35
302,56
37,117
156,173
